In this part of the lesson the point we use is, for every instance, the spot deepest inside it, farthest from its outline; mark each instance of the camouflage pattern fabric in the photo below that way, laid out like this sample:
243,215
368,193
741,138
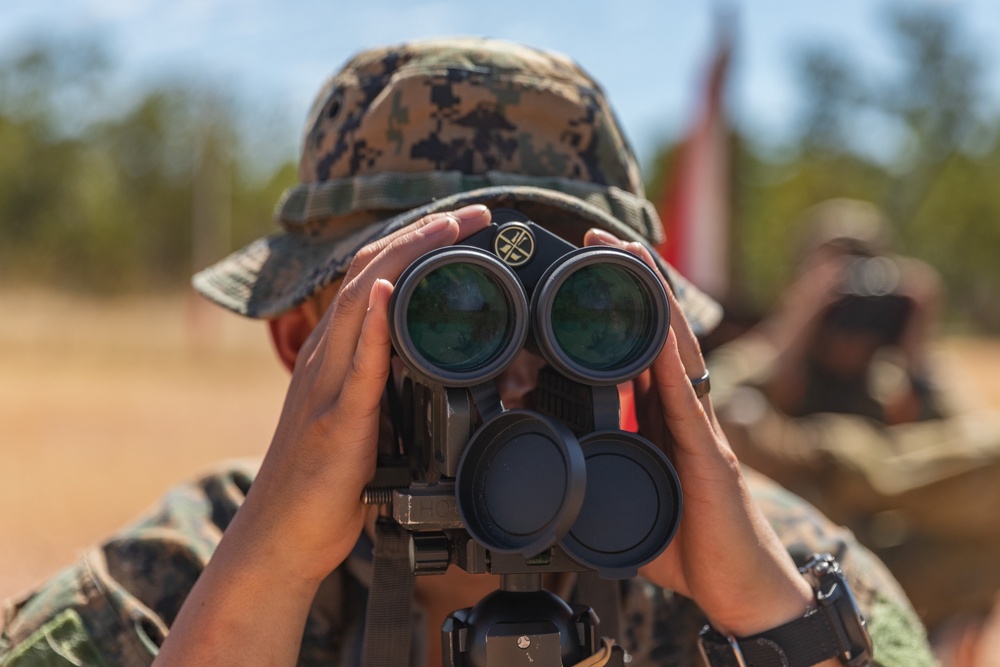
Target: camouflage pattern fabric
114,607
922,495
468,105
404,131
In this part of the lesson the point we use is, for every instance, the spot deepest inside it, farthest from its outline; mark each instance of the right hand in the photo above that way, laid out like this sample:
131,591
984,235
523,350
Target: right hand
303,513
304,509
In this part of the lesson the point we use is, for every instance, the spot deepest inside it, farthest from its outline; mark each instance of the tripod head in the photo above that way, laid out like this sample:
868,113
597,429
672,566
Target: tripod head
522,624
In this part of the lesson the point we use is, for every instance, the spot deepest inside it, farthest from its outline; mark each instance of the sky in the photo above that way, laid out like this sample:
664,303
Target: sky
650,55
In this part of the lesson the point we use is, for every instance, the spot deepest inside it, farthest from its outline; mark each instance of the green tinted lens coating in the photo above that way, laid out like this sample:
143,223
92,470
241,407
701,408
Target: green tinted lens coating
602,317
459,317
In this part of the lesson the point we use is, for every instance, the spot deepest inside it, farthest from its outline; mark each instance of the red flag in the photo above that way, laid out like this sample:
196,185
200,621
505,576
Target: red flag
694,204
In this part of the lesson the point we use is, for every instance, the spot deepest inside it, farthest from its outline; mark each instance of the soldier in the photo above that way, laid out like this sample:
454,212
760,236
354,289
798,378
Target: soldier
408,149
836,396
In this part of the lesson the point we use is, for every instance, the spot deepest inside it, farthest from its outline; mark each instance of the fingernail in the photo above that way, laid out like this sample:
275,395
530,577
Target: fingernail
470,213
376,288
604,237
437,226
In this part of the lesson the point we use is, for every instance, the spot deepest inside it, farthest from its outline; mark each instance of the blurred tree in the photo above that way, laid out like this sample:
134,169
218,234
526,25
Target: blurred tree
51,81
832,95
39,162
938,99
918,140
134,200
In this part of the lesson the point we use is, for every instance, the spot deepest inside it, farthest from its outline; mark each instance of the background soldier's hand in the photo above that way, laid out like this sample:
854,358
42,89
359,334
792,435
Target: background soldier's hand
724,556
793,326
921,284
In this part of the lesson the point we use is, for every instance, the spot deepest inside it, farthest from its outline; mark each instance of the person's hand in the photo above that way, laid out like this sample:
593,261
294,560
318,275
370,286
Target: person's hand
724,556
307,493
921,284
794,324
816,286
303,513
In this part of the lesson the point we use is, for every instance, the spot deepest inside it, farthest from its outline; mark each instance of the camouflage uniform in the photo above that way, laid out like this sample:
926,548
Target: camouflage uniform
399,133
114,607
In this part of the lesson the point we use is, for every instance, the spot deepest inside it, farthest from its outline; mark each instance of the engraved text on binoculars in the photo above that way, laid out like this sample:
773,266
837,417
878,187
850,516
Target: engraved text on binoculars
442,508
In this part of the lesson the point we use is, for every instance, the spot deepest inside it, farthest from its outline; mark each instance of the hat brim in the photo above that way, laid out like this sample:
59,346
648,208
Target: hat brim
279,272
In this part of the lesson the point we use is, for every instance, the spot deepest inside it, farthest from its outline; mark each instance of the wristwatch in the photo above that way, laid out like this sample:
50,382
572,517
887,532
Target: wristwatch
835,628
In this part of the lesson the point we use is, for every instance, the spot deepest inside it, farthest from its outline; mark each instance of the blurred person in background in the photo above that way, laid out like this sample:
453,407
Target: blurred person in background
407,149
838,396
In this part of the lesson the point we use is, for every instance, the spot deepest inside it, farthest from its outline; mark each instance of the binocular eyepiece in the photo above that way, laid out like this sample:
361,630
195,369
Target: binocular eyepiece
559,480
460,315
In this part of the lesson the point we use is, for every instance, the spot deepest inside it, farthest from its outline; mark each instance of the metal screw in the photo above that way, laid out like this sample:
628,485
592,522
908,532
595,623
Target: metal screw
377,495
523,641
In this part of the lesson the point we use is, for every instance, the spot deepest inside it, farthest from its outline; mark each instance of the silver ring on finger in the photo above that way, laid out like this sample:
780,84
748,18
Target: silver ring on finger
701,385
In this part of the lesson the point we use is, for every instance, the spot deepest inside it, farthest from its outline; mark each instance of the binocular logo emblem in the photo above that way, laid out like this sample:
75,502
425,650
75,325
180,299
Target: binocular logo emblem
514,244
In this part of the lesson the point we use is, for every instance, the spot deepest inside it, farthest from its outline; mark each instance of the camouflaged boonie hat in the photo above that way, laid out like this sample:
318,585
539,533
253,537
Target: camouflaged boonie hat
404,131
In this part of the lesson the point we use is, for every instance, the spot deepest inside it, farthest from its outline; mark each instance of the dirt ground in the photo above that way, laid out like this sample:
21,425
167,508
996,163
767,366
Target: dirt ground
104,405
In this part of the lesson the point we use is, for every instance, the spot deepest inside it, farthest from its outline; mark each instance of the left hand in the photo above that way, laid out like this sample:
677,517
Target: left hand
725,556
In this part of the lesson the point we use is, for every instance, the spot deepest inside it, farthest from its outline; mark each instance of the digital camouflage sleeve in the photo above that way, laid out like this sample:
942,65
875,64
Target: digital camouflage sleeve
114,607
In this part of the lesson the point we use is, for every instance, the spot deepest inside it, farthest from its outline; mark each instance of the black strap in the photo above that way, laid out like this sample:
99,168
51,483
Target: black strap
389,617
604,597
803,642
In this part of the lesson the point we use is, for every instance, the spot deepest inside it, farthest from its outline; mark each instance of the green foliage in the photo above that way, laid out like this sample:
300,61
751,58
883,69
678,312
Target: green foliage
101,195
134,201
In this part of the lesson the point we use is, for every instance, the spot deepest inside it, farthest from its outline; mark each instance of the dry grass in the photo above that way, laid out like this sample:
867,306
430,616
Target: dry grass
104,405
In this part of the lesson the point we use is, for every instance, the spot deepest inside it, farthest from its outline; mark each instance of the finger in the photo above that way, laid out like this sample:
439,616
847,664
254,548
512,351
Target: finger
687,342
686,417
649,412
470,219
359,403
350,306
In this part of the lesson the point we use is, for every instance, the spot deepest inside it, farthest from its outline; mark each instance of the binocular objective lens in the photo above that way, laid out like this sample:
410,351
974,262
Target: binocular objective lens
602,317
459,317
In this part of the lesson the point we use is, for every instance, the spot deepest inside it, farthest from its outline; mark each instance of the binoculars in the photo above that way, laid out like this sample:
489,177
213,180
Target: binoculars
554,488
870,300
461,314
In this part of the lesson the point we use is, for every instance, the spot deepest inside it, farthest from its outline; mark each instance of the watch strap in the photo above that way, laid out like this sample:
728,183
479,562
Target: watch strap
803,642
835,628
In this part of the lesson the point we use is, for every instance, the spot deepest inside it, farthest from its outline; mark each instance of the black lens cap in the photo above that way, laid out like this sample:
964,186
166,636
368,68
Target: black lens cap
520,483
631,508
